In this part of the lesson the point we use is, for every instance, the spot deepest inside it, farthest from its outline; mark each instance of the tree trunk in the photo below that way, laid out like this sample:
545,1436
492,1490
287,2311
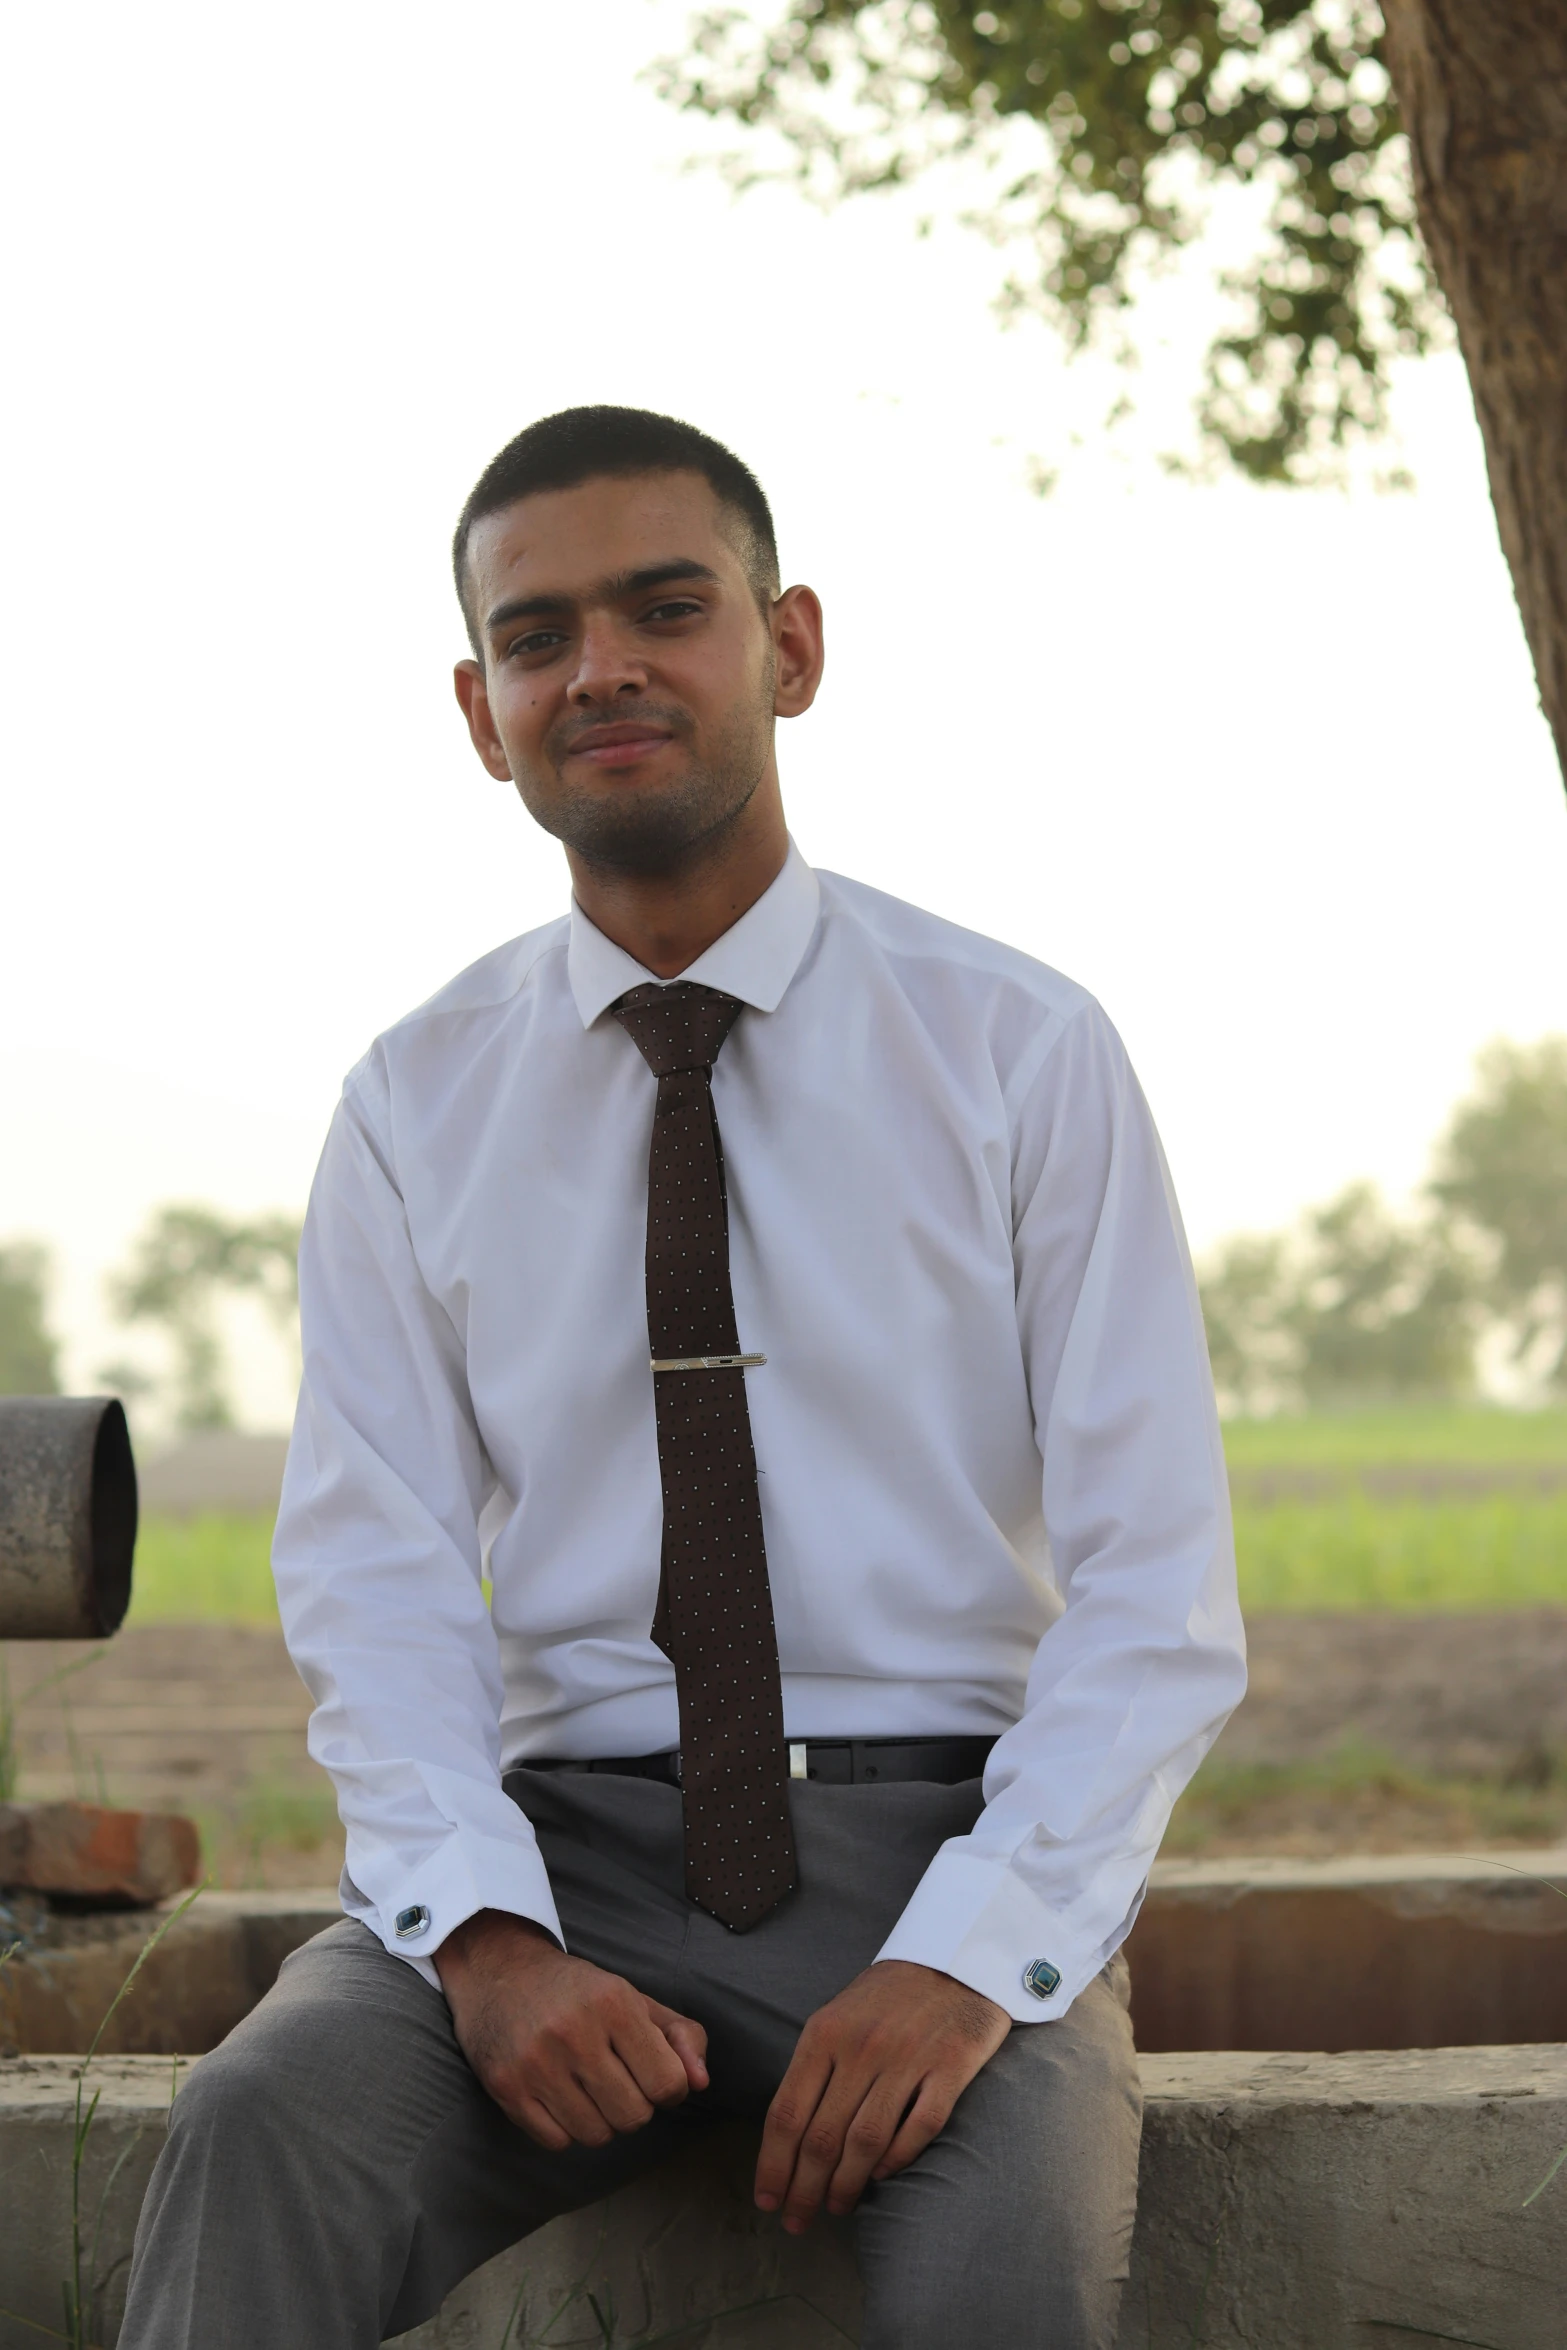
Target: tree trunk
1482,85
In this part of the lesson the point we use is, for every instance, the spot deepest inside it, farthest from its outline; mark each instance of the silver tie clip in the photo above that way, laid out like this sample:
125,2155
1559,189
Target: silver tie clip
706,1362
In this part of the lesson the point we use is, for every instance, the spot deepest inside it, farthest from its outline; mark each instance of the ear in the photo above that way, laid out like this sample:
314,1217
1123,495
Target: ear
474,701
800,650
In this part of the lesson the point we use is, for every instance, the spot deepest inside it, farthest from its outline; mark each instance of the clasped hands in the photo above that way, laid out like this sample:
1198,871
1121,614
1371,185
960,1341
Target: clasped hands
574,2055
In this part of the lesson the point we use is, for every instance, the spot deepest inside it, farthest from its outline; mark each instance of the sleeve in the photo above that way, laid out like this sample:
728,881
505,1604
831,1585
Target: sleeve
377,1558
1133,1682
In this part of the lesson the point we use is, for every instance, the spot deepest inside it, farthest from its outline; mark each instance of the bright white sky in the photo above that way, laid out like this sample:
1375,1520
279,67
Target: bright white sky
1265,771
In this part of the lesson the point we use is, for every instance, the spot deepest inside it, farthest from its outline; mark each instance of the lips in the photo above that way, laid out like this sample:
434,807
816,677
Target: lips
617,746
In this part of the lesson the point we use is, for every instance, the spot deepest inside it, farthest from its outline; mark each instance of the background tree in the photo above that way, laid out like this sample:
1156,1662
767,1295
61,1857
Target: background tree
1354,1307
1484,94
1136,111
185,1262
1502,1166
28,1352
1247,1289
1383,1308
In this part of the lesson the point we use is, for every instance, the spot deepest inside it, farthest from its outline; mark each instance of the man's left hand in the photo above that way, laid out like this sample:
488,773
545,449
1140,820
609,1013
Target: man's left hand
874,2078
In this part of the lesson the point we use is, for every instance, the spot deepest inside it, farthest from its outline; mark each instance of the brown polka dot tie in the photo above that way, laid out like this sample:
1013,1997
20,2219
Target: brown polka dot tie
714,1619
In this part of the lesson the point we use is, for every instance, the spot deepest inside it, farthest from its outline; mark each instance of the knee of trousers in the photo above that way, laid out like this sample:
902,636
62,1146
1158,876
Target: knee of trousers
288,2074
1066,2298
340,2074
1014,2227
973,2254
235,2097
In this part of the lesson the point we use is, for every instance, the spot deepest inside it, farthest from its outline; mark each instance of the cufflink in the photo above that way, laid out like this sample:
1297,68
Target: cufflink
1043,1979
409,1922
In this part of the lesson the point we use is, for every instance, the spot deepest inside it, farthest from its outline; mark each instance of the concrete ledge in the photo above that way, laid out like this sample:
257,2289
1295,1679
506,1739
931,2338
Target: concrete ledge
1293,2201
1309,2202
37,2120
208,1971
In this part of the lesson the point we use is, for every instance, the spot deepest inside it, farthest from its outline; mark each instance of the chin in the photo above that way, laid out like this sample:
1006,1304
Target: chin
645,833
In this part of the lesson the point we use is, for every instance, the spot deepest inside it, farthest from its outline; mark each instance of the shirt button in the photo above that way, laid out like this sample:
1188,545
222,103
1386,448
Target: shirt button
409,1922
1039,1976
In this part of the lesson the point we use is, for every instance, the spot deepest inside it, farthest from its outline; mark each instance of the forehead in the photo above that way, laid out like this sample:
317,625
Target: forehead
567,541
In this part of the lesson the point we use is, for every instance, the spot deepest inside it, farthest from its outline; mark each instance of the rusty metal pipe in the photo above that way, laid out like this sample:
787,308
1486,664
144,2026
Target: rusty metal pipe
67,1516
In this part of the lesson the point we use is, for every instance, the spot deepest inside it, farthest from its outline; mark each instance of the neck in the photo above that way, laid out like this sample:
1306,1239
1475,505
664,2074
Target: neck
665,920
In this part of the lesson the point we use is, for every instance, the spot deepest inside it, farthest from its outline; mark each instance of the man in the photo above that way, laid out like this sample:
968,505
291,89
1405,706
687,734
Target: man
778,1294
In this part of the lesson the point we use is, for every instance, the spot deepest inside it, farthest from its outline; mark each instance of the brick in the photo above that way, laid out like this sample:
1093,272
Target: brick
86,1850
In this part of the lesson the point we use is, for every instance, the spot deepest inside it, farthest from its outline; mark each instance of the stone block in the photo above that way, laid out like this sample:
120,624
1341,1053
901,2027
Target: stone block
1302,2202
88,1852
1316,2202
207,1972
37,2124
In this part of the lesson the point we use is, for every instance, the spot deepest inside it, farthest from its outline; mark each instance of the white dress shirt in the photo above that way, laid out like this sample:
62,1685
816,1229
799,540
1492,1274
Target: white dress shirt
990,1470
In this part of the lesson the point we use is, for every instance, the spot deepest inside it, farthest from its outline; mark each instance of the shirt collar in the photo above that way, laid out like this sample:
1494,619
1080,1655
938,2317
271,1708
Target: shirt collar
755,959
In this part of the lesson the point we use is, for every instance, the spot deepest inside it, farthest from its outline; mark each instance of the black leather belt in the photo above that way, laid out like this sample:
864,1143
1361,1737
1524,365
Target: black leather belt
836,1762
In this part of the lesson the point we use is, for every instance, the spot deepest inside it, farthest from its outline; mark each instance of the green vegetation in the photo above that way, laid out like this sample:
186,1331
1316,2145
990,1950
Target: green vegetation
210,1570
1357,1305
1502,1167
185,1262
1105,132
1496,1551
1421,1507
28,1351
1352,1307
1476,1436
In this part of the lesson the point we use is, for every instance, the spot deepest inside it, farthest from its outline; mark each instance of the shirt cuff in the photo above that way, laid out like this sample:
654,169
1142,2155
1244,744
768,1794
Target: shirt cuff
466,1874
974,1918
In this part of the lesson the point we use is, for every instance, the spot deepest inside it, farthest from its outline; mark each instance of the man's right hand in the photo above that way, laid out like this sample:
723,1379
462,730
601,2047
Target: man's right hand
569,2053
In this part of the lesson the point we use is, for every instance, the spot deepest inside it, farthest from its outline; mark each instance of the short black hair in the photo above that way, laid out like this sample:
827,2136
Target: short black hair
581,444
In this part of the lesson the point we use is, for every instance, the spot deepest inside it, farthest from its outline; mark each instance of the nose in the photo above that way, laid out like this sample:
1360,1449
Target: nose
607,663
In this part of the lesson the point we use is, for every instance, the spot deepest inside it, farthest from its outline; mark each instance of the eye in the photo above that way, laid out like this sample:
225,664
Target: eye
537,640
676,608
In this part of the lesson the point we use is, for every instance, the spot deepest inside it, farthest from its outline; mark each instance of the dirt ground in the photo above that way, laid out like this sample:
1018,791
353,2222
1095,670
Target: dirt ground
1452,1695
201,1718
1360,1733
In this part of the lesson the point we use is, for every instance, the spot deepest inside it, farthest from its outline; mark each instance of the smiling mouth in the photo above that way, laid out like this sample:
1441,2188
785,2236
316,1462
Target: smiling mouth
619,746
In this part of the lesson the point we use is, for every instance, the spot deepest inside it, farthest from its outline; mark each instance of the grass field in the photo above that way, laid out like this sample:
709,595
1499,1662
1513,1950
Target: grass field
1495,1537
1496,1551
1478,1437
203,1571
1500,1545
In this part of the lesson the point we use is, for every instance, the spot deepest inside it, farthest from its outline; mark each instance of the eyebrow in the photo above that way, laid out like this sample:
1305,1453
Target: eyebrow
615,589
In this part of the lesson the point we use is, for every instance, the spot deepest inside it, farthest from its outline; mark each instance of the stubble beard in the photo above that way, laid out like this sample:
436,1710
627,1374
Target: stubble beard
647,834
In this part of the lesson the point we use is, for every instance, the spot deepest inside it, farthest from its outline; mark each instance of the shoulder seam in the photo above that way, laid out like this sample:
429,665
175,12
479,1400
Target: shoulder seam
1032,1063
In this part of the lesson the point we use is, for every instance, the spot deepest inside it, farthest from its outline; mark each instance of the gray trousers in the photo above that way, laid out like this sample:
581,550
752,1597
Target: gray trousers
334,2169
